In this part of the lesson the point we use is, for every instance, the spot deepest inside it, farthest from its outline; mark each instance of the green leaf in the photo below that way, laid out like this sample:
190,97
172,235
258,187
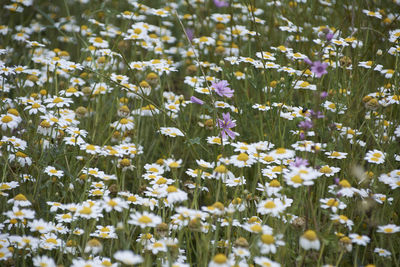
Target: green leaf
194,141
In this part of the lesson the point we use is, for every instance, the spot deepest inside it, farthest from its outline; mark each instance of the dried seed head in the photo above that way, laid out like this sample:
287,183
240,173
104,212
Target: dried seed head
195,225
123,111
241,242
144,84
345,61
162,229
345,243
191,69
220,50
152,78
113,189
81,111
299,222
87,91
372,104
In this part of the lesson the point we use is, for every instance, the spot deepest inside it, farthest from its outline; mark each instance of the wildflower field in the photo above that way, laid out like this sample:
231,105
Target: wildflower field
213,133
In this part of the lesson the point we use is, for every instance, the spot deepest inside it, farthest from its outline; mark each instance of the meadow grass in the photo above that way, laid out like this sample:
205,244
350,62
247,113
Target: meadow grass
199,133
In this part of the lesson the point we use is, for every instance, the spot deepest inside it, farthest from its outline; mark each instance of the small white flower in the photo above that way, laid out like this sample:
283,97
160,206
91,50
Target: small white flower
309,240
128,257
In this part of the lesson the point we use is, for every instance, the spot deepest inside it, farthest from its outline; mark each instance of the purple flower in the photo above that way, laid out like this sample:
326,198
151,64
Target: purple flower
323,95
189,33
308,61
307,124
298,162
318,114
222,89
319,68
226,124
329,36
195,100
220,3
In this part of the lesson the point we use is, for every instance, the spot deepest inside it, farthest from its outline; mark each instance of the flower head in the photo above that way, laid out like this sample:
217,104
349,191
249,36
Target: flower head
307,124
189,33
196,100
319,68
309,240
329,36
220,3
128,257
226,124
298,162
222,89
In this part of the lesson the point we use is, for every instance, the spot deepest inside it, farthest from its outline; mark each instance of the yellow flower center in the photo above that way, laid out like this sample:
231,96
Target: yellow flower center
220,258
221,169
280,150
125,162
112,203
310,235
153,169
20,154
132,198
57,100
98,40
45,124
172,189
268,158
97,192
344,183
256,228
7,119
325,169
296,179
217,140
162,180
51,240
85,210
66,216
304,84
158,245
203,39
345,240
332,202
124,121
105,229
277,169
145,219
274,183
282,48
20,197
267,239
174,164
218,205
269,205
243,157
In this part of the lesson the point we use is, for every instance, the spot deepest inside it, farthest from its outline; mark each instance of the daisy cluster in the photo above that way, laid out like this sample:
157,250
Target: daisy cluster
199,133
